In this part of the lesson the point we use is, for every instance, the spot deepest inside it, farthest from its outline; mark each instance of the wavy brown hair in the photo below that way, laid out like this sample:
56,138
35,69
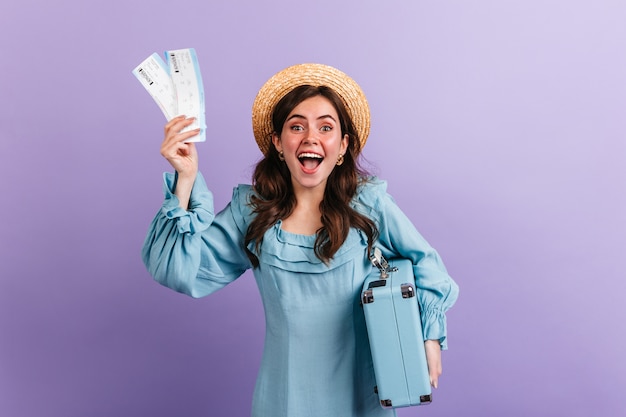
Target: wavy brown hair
274,198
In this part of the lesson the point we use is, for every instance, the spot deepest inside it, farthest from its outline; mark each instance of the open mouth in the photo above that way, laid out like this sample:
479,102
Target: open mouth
310,160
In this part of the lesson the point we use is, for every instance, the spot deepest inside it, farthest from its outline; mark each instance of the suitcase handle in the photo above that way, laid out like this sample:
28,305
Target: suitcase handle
379,261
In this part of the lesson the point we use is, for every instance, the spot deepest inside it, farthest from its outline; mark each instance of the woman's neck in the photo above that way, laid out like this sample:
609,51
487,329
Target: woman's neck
306,218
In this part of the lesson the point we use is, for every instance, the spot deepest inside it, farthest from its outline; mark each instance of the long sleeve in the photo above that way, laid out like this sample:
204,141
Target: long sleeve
436,290
194,251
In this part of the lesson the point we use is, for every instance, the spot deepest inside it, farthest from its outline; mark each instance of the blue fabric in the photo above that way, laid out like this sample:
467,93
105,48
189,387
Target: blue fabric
316,361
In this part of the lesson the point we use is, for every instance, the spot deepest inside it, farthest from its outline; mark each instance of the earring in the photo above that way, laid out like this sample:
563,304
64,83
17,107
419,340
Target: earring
340,159
281,156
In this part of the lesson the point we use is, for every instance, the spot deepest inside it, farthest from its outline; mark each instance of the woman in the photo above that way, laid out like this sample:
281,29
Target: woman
305,227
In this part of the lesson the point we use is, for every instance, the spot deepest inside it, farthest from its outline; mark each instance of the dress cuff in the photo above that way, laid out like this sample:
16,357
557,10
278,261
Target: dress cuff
434,323
200,214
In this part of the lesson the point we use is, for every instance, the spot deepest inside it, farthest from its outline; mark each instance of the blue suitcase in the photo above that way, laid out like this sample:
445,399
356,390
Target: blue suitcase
395,333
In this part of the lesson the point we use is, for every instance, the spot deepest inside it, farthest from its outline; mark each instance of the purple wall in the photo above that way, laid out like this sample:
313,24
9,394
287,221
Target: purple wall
499,125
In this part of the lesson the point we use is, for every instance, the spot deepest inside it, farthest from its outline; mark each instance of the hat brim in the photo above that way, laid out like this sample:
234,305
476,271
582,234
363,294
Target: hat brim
308,74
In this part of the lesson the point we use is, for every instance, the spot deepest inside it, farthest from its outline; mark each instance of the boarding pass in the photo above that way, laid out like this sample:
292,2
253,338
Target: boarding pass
176,86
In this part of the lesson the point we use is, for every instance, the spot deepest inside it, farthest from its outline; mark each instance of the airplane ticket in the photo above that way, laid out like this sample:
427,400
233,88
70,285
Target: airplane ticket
176,86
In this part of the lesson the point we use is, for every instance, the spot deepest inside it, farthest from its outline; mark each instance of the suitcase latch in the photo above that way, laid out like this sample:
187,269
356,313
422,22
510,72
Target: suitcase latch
379,261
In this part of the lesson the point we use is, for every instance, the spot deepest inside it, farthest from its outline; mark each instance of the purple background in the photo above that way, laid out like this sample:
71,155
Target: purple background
499,125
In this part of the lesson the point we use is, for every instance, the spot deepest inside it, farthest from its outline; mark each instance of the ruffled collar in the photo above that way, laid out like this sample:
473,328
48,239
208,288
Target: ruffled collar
294,252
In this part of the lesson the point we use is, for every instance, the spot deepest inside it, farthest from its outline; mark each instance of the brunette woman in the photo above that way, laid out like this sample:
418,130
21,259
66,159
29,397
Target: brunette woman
305,227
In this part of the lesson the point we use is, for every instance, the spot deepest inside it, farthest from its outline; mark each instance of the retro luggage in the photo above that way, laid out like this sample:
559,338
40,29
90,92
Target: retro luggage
395,333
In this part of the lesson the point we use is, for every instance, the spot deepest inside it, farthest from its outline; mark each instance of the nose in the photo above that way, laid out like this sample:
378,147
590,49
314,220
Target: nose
311,138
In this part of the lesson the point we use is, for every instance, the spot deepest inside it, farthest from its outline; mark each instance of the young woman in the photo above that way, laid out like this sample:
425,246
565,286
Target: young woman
305,226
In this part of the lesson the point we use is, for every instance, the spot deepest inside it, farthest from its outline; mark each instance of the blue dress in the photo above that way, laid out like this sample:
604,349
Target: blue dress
316,359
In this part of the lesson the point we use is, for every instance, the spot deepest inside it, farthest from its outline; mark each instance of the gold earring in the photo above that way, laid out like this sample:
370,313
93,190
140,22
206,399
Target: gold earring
281,156
340,159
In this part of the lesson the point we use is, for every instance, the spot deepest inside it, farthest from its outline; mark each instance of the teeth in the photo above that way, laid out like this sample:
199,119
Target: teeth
309,155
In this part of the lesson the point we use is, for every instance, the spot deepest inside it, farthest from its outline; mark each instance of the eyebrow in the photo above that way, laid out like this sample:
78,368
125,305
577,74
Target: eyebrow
299,116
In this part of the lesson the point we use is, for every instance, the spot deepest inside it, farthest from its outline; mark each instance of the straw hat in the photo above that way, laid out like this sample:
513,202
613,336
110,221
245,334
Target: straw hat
308,74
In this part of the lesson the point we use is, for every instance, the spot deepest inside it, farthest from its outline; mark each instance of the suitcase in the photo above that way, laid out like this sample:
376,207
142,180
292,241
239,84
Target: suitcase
395,334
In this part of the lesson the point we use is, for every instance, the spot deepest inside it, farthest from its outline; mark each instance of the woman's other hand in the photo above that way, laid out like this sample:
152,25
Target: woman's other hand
433,358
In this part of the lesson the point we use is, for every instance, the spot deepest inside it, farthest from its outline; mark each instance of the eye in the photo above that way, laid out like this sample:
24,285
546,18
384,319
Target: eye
297,128
326,128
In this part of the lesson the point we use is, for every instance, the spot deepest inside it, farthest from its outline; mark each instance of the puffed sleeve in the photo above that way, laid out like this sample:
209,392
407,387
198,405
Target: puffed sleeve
194,251
436,290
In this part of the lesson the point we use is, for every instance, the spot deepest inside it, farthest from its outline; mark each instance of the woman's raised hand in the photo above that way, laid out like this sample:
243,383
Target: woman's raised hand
182,156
